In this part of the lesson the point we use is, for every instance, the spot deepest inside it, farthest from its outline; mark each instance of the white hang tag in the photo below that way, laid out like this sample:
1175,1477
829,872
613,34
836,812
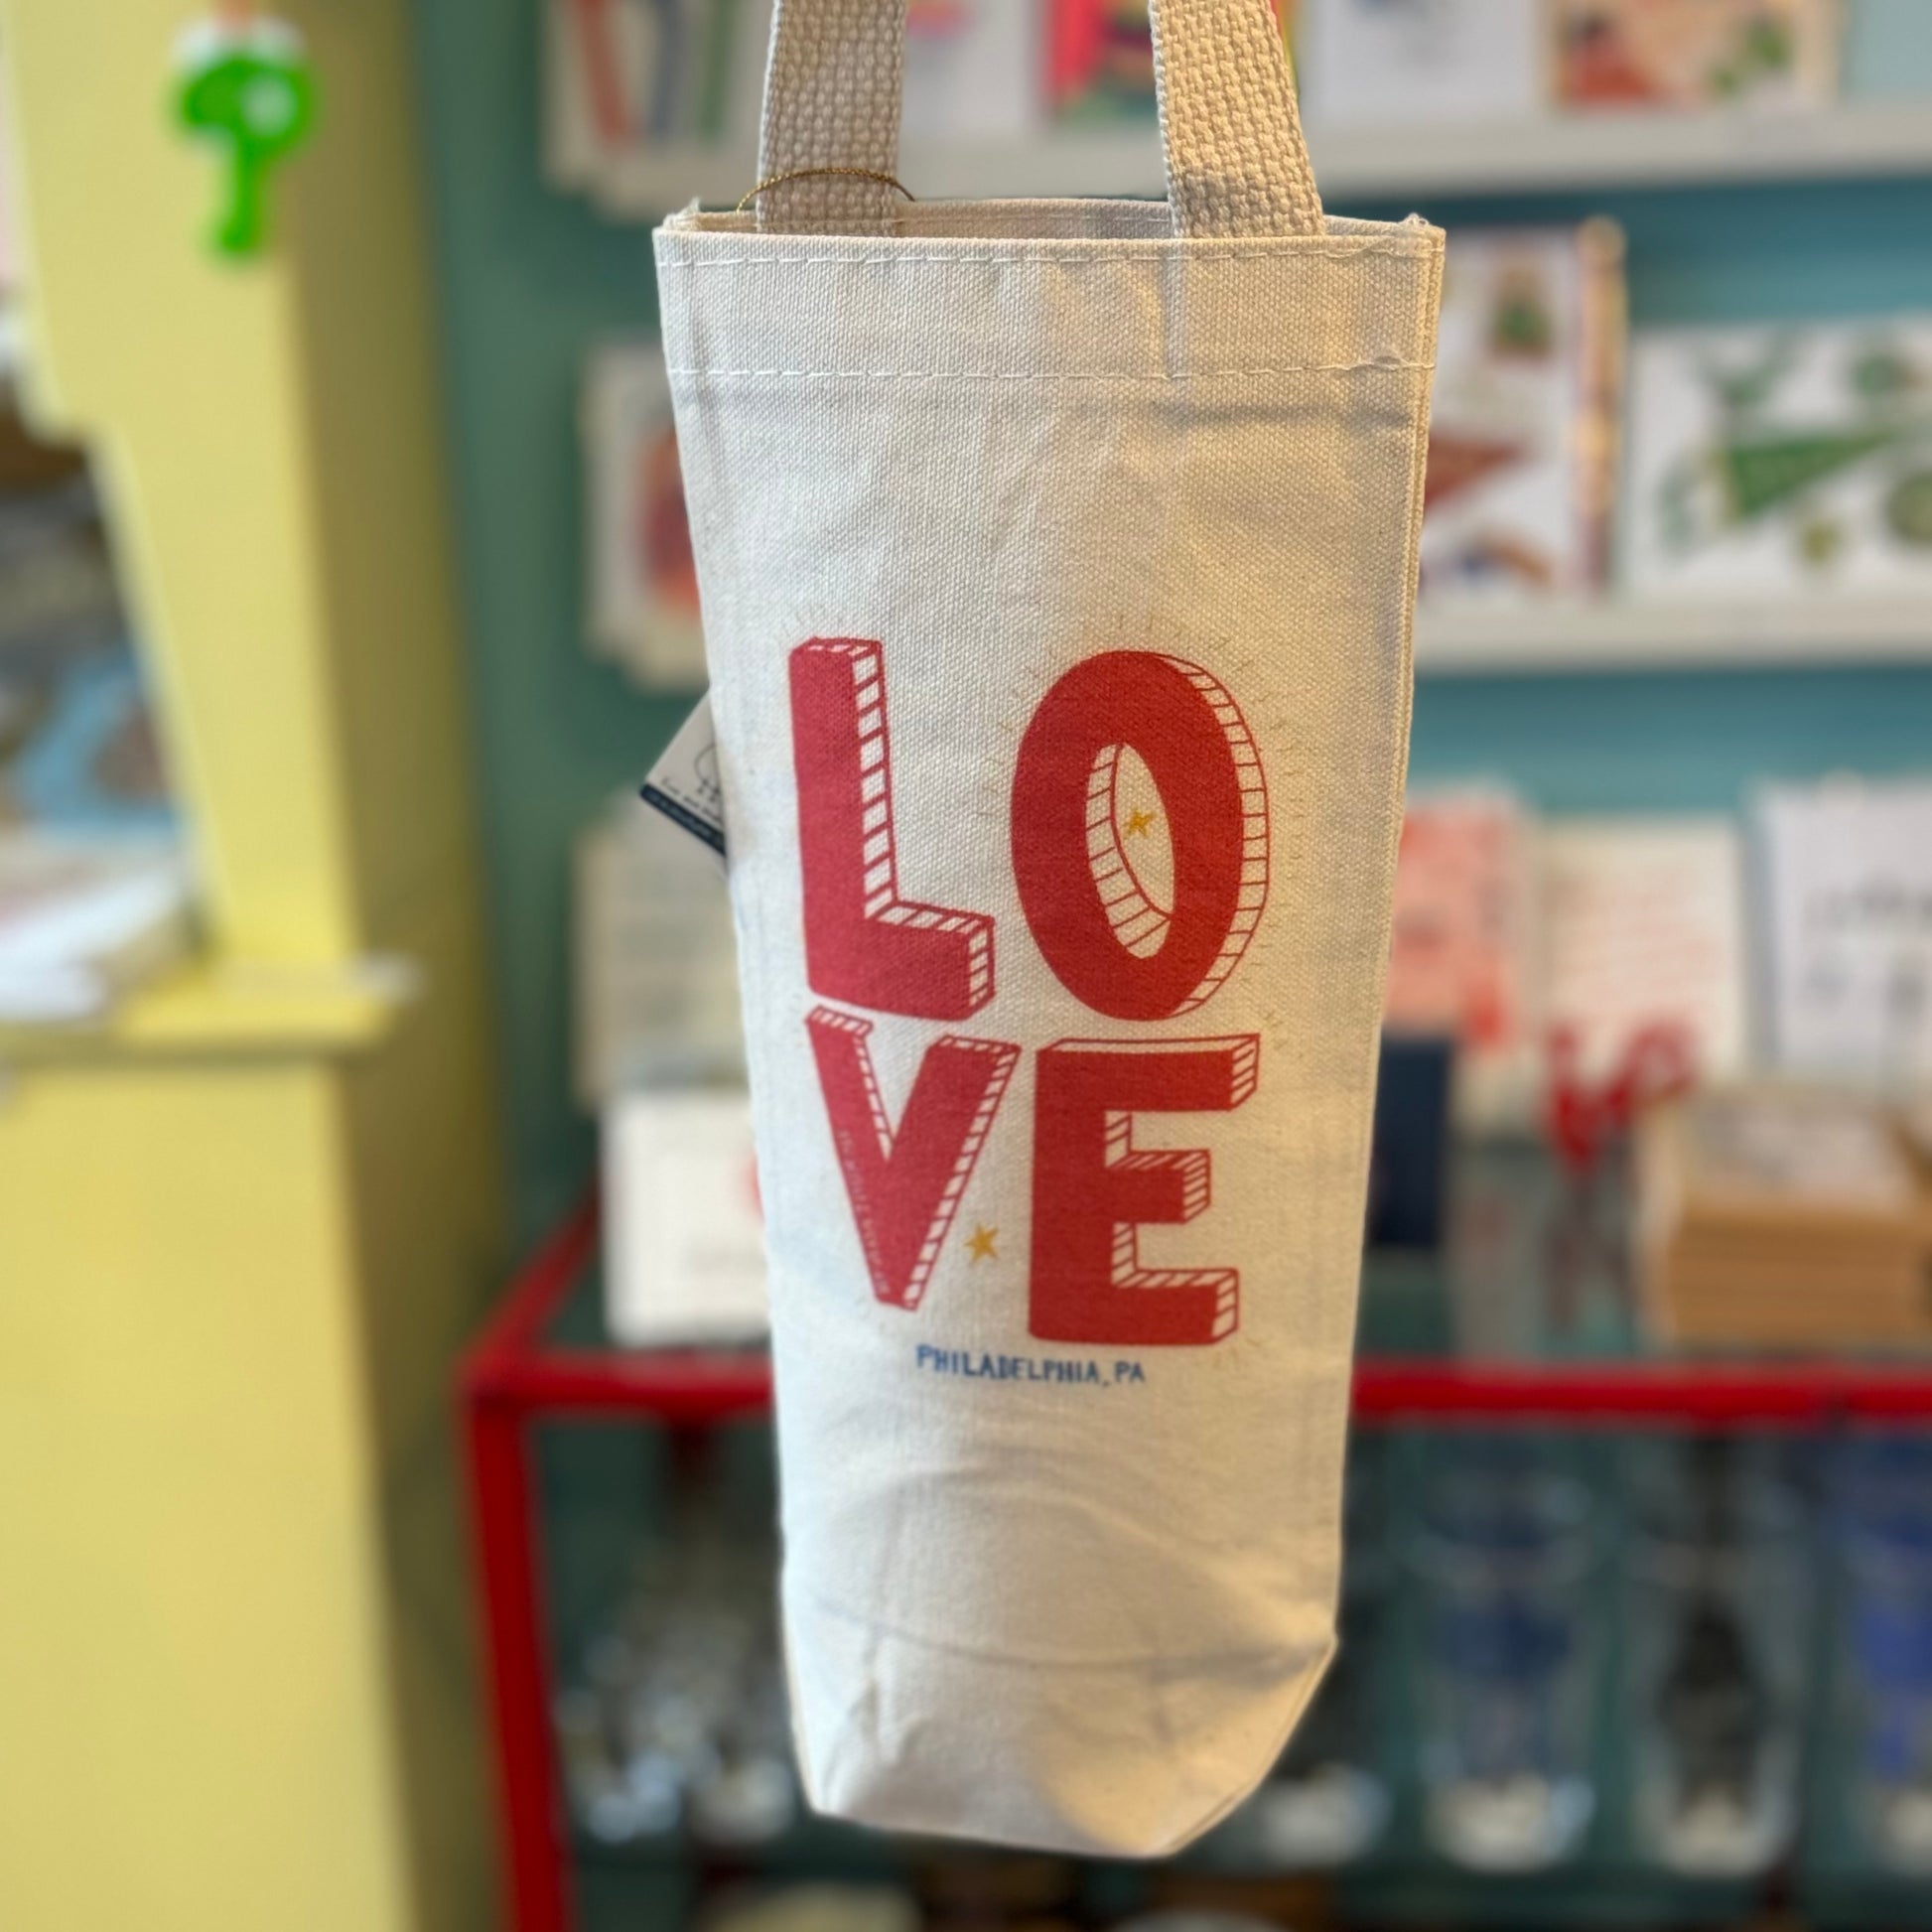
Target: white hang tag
684,786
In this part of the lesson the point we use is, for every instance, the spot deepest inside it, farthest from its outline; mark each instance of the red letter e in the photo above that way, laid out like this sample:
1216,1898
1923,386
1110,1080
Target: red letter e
1092,1188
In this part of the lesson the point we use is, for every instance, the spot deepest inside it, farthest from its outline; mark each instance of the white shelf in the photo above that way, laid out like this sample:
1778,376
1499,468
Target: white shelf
1473,640
1625,150
1355,164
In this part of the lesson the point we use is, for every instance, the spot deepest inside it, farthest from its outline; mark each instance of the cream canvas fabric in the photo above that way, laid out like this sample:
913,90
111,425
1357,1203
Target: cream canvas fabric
1057,564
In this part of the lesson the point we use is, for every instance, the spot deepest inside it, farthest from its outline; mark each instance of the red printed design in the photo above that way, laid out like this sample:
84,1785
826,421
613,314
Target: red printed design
863,942
905,1184
1092,1188
1106,941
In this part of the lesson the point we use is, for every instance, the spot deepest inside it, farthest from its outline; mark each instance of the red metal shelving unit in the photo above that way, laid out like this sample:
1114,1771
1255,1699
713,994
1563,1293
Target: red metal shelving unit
517,1375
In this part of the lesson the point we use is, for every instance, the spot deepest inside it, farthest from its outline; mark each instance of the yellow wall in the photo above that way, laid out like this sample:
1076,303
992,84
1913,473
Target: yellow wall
267,436
243,1232
193,1668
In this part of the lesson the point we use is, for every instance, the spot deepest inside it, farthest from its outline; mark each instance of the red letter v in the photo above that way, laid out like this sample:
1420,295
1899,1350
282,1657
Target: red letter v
905,1184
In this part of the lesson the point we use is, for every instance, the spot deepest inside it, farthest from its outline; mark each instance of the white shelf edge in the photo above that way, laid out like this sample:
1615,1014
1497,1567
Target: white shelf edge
1626,150
1549,154
1475,640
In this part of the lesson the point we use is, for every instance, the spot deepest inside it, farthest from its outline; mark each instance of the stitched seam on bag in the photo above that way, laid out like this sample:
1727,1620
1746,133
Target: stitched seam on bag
1129,1660
1064,375
1190,262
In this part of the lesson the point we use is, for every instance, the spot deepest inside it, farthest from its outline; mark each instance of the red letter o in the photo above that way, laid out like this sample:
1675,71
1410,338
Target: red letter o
1064,843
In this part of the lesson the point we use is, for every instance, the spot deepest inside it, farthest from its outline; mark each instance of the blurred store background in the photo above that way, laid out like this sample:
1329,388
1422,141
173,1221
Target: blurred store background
389,1530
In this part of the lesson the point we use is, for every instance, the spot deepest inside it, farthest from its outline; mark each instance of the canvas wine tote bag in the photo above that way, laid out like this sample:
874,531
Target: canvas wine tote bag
1057,561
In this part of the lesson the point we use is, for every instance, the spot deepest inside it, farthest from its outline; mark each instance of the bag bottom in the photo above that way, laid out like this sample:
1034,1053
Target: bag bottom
1111,1759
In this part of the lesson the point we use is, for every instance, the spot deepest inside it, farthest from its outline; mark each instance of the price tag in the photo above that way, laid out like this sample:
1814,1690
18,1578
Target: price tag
684,786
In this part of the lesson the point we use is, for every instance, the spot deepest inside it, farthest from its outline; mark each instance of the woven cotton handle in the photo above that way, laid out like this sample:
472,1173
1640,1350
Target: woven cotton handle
1230,133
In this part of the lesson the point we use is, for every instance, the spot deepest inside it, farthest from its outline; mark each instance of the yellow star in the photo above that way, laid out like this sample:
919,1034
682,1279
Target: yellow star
980,1244
1137,823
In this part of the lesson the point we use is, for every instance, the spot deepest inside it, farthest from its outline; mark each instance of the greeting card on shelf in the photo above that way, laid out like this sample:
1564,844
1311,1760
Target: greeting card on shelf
1523,434
643,597
1643,929
1845,873
1100,58
1886,54
684,1239
640,89
1692,54
975,70
1462,943
1393,62
1770,459
649,78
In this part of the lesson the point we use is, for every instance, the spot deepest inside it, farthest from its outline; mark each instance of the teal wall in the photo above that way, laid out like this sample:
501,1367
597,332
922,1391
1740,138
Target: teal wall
529,280
532,279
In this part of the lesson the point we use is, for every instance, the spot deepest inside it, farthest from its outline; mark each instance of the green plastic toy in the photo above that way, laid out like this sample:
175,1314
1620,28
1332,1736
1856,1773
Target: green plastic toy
247,87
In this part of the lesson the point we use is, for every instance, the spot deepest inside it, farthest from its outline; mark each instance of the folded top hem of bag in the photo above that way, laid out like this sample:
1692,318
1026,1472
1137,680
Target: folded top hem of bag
1102,314
1062,231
